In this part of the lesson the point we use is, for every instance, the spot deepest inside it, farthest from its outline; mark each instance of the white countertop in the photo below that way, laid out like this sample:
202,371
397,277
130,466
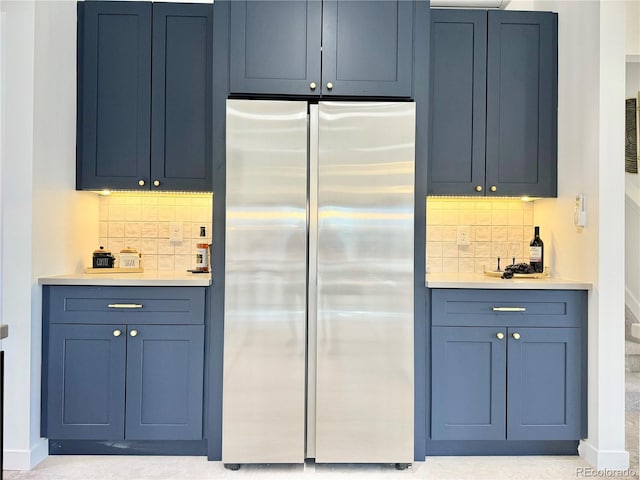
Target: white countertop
146,279
475,280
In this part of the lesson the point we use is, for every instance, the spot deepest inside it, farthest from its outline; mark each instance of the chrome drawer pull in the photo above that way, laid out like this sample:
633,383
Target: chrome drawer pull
509,309
124,305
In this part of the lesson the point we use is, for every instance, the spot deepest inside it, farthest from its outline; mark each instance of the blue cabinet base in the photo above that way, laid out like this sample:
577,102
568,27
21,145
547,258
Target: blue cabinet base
501,447
128,447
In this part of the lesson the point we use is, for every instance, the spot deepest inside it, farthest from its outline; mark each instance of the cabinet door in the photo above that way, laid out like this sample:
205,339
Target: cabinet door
367,47
457,102
275,47
86,381
181,128
164,382
522,103
544,378
468,383
114,95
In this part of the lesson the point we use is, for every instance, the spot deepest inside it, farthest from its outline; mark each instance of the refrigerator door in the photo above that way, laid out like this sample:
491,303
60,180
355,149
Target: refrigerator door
364,396
265,282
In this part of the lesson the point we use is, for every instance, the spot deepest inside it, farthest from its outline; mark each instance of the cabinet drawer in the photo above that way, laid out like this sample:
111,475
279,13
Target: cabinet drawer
525,308
121,305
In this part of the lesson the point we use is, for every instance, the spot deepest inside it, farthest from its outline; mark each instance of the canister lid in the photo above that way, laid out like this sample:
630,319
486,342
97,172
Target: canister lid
102,251
128,250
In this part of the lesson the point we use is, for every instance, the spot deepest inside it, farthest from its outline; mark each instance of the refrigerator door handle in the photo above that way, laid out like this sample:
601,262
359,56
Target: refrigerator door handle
312,306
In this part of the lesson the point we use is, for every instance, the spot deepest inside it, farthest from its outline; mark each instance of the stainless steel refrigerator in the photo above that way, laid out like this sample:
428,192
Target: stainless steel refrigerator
318,309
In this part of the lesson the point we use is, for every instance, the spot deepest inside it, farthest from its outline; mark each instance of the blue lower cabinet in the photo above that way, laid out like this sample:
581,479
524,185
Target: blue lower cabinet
544,384
86,378
468,383
499,383
119,382
164,382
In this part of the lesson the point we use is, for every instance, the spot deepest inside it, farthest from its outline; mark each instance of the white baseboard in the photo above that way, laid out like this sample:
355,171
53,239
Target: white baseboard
26,459
603,459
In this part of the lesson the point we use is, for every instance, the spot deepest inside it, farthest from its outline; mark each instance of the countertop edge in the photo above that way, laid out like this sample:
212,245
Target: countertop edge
128,280
489,283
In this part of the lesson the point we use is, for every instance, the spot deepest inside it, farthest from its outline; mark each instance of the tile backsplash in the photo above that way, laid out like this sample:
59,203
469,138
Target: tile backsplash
498,228
141,221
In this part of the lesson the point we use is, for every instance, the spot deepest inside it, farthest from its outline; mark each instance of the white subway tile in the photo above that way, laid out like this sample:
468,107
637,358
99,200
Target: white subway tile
466,265
115,245
435,265
116,229
166,201
134,243
515,234
483,217
103,209
165,247
434,217
166,213
450,233
499,234
449,250
132,229
184,247
450,217
449,265
149,262
163,230
434,249
515,217
467,217
183,213
183,201
149,246
116,212
133,213
184,262
483,249
499,217
150,213
434,233
103,229
484,263
166,262
467,251
149,200
200,214
149,230
483,234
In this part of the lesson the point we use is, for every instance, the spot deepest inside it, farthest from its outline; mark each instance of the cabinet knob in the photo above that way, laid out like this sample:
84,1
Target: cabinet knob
156,183
329,86
312,85
493,188
500,335
478,188
141,183
117,333
516,336
133,333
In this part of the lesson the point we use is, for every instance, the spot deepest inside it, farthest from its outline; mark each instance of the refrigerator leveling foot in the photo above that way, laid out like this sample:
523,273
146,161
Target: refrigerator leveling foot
232,466
402,466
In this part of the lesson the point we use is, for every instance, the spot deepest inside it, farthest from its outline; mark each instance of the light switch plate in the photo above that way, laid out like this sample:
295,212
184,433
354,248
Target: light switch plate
464,235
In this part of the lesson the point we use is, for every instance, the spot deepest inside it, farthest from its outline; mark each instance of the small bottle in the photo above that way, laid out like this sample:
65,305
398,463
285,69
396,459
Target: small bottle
536,252
202,252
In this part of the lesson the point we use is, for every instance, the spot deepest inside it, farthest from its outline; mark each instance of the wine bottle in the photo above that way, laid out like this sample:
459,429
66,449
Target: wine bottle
536,252
202,252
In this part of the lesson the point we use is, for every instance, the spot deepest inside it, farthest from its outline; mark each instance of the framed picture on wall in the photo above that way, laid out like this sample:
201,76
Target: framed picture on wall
632,124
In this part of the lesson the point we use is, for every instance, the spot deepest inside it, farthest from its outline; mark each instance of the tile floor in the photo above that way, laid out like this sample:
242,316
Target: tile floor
196,468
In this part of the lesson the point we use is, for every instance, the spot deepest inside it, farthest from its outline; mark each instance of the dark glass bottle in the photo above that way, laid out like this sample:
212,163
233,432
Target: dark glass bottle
536,252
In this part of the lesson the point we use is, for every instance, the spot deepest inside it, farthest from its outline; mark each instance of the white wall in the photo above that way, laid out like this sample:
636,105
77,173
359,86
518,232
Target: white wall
632,189
47,227
633,27
590,126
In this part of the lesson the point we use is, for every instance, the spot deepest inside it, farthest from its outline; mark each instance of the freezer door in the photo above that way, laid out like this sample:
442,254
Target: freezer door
364,396
265,282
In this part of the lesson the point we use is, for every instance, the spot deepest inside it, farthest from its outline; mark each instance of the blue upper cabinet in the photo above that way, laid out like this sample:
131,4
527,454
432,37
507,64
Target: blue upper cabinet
181,103
522,103
275,47
144,96
493,125
329,48
458,105
114,95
